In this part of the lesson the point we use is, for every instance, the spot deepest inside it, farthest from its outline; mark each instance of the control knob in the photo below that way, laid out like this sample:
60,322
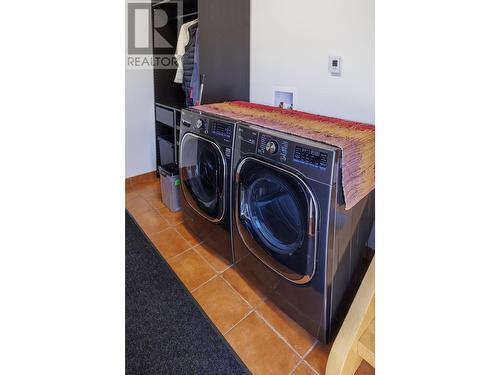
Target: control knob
271,147
199,124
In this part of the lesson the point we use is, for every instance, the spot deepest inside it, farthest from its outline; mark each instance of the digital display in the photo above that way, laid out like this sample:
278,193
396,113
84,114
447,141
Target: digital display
221,129
248,139
311,157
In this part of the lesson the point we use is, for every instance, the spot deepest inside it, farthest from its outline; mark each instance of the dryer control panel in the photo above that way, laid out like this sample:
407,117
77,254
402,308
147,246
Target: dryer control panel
308,157
273,146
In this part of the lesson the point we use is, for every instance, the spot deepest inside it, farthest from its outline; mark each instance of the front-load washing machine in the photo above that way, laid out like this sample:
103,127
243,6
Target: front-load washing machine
293,238
205,154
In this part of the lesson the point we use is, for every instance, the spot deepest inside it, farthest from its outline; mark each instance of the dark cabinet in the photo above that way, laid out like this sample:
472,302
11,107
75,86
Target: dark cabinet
224,37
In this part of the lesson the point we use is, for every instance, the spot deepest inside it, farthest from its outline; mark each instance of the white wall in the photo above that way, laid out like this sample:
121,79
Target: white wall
140,149
290,44
140,154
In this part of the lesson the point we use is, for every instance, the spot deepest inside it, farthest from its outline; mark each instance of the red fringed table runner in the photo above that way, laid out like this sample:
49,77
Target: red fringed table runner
356,140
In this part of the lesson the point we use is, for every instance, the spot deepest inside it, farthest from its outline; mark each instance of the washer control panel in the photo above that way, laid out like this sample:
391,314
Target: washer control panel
212,128
200,123
222,129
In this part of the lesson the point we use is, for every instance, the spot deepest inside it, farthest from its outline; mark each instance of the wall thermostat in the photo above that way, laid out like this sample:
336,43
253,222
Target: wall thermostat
334,65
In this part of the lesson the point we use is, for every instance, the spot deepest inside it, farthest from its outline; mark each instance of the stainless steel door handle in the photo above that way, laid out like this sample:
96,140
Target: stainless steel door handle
311,219
243,205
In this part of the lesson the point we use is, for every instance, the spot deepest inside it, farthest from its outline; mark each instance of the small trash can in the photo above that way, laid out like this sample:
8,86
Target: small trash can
170,186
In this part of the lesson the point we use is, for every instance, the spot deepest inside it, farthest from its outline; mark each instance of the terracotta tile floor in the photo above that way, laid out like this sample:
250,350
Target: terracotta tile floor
265,339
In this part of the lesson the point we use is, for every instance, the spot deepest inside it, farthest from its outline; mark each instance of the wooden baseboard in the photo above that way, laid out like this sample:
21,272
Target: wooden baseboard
141,179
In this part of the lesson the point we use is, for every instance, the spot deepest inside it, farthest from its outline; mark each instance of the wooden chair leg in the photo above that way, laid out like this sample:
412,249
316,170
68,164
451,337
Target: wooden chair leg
344,358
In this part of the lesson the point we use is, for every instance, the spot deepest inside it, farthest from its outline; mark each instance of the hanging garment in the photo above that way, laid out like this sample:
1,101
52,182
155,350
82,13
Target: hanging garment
182,41
191,76
195,77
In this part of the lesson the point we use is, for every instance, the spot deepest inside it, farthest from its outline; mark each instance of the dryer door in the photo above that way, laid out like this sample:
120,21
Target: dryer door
202,173
277,217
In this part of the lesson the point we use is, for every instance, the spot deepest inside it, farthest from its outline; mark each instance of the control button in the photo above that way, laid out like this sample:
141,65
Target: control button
199,124
271,147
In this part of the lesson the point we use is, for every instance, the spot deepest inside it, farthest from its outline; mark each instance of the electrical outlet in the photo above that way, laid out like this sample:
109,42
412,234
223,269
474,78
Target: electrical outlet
334,65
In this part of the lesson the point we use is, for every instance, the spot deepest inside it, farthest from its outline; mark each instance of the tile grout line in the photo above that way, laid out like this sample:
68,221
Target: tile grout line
243,298
280,335
150,207
202,284
238,322
210,265
252,308
164,218
144,197
176,255
310,367
157,211
262,299
276,331
307,353
295,367
311,349
185,239
240,260
163,230
171,225
304,362
217,274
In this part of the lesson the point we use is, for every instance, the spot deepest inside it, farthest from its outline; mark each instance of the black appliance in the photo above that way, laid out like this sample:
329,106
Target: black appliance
289,215
205,159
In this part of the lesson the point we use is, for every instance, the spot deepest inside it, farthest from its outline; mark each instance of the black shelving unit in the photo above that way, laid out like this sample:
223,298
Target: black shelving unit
167,131
224,47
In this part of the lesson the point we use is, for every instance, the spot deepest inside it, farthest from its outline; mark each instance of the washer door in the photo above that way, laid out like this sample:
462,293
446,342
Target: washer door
277,218
202,174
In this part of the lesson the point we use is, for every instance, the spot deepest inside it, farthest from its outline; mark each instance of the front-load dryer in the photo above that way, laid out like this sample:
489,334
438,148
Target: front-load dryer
293,238
205,154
